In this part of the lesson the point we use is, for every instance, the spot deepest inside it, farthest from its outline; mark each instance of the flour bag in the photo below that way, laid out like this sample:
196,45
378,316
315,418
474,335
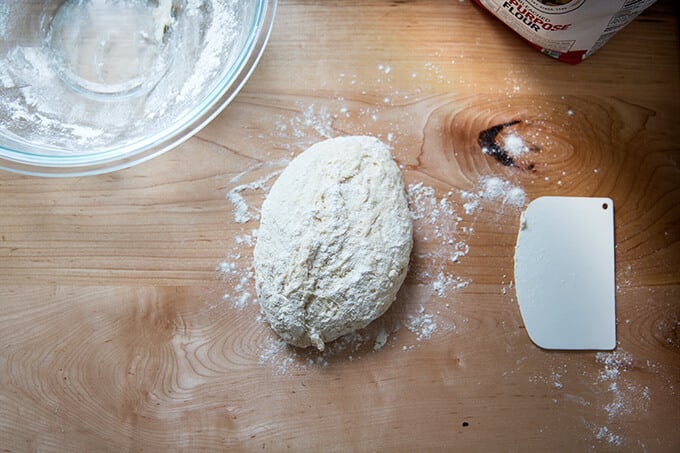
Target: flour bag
569,30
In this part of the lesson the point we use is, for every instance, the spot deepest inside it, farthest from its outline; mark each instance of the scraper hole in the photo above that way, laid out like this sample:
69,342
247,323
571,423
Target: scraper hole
605,206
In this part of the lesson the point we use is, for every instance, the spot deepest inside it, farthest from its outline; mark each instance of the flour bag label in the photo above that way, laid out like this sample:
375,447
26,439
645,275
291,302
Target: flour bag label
569,30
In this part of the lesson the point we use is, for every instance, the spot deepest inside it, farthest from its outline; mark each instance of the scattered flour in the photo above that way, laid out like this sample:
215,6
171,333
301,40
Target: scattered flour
236,269
422,324
320,121
441,231
471,206
239,280
384,68
614,363
420,198
494,188
311,121
554,380
243,213
620,400
437,227
603,433
626,397
276,354
445,281
514,145
436,220
283,358
437,223
380,339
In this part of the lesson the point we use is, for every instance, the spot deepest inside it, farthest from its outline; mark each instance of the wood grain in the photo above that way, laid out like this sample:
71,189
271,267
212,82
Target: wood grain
126,303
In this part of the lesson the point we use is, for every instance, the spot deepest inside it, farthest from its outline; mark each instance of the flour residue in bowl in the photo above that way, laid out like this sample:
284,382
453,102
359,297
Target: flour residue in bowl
219,37
87,41
4,19
55,106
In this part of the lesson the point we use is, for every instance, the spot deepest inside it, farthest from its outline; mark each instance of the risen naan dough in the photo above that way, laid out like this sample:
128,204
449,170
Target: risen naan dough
334,241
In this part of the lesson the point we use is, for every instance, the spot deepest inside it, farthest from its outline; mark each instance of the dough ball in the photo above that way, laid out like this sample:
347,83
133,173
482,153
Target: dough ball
334,241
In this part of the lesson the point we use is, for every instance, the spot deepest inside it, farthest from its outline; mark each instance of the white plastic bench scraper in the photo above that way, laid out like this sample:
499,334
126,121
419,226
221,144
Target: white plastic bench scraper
564,273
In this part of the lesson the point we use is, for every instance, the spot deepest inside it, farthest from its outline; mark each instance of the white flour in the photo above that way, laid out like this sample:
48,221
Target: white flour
554,379
493,188
445,282
603,433
283,358
320,121
626,396
4,19
237,278
381,339
422,324
312,124
242,211
240,280
614,364
437,220
514,145
222,29
618,397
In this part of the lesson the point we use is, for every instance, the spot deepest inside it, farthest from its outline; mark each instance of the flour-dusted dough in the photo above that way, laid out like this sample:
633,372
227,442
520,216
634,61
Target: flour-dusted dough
334,241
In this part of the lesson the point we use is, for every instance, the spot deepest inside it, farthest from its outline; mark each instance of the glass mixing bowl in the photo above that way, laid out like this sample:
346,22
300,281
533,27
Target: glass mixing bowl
90,86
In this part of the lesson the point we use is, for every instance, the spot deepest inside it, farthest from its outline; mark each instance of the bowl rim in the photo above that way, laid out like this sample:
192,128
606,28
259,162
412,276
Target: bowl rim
169,138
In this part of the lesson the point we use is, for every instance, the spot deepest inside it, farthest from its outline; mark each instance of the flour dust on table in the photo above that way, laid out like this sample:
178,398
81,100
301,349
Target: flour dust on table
422,322
443,224
619,397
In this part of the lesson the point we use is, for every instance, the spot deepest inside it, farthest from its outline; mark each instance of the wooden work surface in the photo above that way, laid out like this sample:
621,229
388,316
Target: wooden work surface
127,312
